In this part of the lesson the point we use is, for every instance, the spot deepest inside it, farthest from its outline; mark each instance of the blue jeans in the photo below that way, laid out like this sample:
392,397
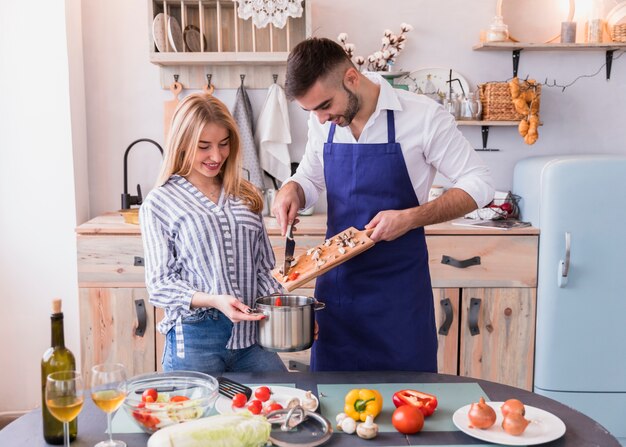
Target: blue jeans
206,335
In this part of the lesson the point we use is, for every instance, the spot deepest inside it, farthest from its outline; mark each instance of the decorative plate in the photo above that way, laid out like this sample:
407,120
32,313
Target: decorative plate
192,38
543,427
158,32
175,34
280,394
434,82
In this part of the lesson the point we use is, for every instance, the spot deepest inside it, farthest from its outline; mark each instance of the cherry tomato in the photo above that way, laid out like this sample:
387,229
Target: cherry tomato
278,302
407,419
239,400
178,398
255,406
293,276
272,407
262,393
150,395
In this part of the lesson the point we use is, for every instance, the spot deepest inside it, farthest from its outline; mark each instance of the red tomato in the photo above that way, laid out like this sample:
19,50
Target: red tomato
407,419
255,406
293,276
239,400
150,395
178,398
278,302
272,407
262,393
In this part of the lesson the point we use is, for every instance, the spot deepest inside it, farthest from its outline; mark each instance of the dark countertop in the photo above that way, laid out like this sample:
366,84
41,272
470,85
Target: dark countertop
581,431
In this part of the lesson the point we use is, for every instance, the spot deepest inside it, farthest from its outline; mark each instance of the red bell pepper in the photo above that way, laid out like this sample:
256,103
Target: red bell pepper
425,402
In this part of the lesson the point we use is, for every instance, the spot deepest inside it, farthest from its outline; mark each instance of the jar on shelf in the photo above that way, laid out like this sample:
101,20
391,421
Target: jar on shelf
498,30
595,25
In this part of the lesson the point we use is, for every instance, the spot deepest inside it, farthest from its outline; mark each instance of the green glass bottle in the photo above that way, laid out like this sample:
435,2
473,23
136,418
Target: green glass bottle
56,358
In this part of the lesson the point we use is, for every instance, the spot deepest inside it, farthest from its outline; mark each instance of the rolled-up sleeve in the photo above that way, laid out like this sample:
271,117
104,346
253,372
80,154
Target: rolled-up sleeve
163,281
454,157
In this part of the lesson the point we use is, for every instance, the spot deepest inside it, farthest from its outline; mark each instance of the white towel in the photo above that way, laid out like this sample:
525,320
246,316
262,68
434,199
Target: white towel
243,117
273,134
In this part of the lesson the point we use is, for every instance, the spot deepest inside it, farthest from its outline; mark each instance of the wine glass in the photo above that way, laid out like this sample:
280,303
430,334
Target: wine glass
108,391
64,398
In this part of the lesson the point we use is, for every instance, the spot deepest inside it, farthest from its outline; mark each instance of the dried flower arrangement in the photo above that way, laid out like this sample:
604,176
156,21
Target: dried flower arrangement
383,59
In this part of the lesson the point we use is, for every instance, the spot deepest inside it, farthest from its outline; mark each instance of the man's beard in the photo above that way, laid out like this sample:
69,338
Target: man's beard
352,109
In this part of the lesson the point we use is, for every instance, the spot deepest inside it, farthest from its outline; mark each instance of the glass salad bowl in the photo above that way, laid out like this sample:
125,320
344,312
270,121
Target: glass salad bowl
158,400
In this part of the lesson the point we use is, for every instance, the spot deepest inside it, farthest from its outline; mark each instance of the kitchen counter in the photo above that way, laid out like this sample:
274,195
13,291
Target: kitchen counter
581,431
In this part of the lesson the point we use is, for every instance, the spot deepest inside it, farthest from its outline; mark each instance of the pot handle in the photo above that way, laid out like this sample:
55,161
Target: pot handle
318,306
257,311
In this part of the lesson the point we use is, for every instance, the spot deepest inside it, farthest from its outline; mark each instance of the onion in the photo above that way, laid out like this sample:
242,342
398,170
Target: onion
514,424
481,415
513,406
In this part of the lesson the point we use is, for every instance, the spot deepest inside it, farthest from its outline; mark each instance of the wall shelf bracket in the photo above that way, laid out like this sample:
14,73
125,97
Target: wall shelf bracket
484,130
609,63
516,57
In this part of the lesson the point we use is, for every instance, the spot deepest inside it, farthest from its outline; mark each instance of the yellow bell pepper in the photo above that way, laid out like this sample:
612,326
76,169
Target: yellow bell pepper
360,403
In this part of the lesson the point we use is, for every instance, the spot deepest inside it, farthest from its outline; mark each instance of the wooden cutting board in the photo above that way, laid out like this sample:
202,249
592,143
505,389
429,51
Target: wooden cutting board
169,107
318,260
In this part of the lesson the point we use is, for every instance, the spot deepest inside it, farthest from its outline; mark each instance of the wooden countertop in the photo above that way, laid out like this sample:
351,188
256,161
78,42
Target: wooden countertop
113,224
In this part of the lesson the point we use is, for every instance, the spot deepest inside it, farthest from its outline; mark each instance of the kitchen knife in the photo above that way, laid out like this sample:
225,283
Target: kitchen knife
290,246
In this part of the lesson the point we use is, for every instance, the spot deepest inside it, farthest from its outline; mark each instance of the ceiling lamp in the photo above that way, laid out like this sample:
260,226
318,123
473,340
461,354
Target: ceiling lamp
275,12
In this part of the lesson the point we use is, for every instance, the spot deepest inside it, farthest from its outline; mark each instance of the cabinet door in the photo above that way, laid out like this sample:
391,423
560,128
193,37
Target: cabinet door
447,316
498,335
108,320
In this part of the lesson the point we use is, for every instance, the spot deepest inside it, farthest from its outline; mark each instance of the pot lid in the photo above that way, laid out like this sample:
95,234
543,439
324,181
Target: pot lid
298,427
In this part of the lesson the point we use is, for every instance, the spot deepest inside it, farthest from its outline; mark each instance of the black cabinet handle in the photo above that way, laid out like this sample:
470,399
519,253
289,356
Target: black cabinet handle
474,313
447,310
142,318
138,261
449,260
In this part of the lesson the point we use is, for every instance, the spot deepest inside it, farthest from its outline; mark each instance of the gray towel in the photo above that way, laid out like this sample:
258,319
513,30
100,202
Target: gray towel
243,117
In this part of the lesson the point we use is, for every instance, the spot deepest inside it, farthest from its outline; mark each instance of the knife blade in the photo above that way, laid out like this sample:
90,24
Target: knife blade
290,247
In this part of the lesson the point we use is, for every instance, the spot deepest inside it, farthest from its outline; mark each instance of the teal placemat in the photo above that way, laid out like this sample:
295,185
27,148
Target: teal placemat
450,397
122,422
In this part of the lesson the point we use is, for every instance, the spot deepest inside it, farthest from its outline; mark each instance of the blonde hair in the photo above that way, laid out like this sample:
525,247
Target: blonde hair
191,116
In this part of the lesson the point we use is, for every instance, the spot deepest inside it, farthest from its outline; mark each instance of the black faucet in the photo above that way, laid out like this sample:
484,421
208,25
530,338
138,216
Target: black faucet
127,199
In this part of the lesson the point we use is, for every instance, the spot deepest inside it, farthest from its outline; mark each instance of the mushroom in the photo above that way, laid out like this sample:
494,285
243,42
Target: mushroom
367,429
347,425
309,402
293,402
340,417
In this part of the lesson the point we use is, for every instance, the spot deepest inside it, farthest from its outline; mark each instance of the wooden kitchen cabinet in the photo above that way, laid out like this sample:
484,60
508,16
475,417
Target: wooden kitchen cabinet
500,292
485,309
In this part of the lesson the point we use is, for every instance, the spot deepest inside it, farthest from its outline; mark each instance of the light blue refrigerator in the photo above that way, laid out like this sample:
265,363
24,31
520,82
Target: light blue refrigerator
579,204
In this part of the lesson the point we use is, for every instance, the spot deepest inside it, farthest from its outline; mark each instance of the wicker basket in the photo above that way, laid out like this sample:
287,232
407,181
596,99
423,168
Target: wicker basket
498,103
618,33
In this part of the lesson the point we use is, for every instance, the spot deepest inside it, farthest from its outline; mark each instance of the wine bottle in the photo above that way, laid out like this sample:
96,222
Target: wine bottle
56,358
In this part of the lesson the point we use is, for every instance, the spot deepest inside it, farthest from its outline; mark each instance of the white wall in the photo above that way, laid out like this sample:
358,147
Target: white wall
44,185
37,194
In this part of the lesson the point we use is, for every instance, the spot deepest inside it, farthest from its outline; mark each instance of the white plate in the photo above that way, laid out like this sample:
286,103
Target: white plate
543,427
158,32
175,34
434,81
280,394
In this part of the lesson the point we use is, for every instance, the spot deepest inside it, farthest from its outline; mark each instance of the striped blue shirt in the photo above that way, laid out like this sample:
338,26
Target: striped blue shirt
194,245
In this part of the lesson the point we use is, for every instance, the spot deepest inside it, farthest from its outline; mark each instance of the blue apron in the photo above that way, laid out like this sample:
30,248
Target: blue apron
379,311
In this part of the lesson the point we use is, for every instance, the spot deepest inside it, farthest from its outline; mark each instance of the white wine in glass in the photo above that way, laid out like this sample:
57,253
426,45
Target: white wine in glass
64,398
108,391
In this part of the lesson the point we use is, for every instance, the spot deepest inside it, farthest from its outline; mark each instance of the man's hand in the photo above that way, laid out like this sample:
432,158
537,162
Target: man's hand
288,200
389,225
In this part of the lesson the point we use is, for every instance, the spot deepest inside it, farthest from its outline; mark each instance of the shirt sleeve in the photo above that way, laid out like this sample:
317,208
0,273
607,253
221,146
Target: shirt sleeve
266,260
454,157
310,173
163,281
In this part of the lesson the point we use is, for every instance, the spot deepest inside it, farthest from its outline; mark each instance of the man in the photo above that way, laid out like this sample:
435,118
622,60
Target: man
376,151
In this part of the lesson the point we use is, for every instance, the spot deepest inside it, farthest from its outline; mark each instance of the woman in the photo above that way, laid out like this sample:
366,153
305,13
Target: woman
207,253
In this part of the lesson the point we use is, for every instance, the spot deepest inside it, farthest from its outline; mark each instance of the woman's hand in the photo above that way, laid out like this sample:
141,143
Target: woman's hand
229,305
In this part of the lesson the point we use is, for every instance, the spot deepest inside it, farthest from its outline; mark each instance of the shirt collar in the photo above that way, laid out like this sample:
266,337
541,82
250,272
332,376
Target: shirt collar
387,97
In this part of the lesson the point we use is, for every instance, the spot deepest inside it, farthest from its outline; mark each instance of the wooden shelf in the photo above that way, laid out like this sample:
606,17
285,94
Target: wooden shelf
511,46
220,58
486,123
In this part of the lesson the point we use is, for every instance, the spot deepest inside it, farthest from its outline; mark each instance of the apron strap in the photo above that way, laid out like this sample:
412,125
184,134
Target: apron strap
391,127
331,133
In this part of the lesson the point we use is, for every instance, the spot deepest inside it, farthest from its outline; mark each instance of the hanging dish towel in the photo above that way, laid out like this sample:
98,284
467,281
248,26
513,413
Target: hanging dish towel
243,117
273,134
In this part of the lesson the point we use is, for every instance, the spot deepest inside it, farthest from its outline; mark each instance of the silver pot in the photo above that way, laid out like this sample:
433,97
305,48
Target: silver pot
288,327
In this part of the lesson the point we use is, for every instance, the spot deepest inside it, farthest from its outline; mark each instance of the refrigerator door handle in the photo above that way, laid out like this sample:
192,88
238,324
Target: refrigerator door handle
563,270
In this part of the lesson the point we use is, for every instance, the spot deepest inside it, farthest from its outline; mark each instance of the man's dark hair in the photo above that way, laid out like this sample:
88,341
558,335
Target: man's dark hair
311,60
